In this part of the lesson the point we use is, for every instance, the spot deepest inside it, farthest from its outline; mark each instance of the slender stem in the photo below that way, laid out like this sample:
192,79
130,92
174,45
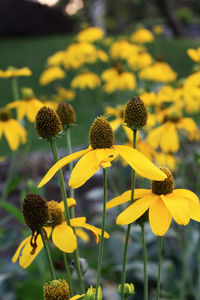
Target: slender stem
145,262
67,214
159,267
100,257
69,279
15,88
46,247
123,277
69,146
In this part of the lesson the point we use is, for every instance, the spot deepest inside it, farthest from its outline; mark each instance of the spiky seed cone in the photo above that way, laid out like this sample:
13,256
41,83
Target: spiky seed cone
101,134
56,216
135,115
163,187
47,123
56,290
35,212
5,115
66,113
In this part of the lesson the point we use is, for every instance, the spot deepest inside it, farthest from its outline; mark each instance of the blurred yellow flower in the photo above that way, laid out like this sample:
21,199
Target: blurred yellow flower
159,72
65,94
14,72
56,59
142,36
149,98
116,79
118,112
163,204
140,60
158,29
194,54
166,160
91,34
191,93
27,107
86,80
13,131
51,74
124,50
166,135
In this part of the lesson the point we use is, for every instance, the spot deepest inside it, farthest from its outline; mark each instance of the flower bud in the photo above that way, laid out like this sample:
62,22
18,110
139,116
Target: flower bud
129,289
90,295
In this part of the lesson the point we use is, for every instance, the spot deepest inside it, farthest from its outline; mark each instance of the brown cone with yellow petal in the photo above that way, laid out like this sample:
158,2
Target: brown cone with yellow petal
56,290
163,187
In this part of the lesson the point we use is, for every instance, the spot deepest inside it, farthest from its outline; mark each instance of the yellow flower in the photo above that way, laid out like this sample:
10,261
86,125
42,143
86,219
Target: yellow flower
166,160
141,60
62,234
191,93
51,74
85,80
148,98
13,72
91,34
116,79
158,29
56,59
13,131
27,107
142,36
163,203
194,54
124,50
159,72
118,112
166,135
65,94
100,154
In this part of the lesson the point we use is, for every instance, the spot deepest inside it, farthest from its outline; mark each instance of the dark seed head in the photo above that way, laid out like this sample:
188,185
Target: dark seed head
56,290
47,123
163,187
66,113
101,134
135,115
5,115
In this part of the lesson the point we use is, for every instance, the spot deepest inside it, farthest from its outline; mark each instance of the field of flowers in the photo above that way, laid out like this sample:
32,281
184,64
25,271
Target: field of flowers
100,164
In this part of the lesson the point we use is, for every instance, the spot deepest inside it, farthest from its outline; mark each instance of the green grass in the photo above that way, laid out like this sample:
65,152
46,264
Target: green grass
33,52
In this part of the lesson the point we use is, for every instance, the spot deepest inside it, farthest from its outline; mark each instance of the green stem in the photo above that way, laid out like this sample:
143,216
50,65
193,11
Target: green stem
46,247
67,214
145,262
100,257
159,267
69,146
15,88
69,279
123,277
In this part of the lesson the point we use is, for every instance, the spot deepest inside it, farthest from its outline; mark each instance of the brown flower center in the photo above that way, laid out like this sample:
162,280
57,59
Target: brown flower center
101,134
56,216
5,115
163,187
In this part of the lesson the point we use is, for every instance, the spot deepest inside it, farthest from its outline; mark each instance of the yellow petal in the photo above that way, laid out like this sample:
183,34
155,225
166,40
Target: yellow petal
169,140
70,202
115,124
11,136
193,202
77,297
178,207
60,164
17,253
126,196
193,54
142,165
85,168
105,155
135,210
159,217
77,221
82,234
64,238
95,231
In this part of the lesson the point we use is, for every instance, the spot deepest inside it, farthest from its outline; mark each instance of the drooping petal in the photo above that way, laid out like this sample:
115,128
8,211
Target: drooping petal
159,217
126,196
193,202
85,168
142,165
135,210
105,155
11,136
95,231
77,297
60,164
178,208
169,141
82,234
115,124
26,258
19,130
70,202
17,253
64,238
77,221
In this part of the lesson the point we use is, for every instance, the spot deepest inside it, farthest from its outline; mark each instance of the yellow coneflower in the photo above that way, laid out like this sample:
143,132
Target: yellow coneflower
13,131
194,54
158,29
86,80
51,74
14,72
139,61
159,72
26,107
163,203
142,36
62,234
65,94
100,154
91,34
124,50
191,92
